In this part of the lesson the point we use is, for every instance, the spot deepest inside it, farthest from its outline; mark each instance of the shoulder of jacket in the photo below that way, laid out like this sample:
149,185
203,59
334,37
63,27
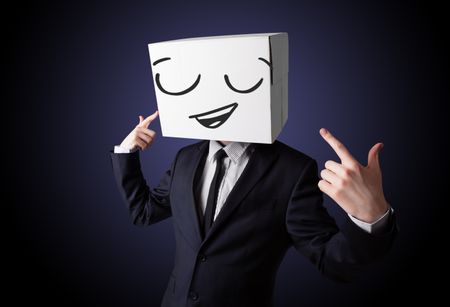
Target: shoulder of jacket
195,147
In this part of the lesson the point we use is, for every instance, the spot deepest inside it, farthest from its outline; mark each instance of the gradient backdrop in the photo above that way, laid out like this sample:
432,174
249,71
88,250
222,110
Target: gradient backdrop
81,75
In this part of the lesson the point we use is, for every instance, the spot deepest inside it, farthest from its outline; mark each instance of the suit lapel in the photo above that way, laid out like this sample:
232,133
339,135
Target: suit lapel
258,165
194,171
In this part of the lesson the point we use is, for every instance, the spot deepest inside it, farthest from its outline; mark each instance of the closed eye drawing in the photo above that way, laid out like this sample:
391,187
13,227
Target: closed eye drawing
165,91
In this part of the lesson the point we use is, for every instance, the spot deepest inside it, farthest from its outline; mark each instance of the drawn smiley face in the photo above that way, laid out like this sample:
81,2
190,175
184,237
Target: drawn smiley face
215,118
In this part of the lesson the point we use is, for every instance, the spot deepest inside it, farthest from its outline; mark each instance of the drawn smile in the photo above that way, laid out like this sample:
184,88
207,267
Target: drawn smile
215,118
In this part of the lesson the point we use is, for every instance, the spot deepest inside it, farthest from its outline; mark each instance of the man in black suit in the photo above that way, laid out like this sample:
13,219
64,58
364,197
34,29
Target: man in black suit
238,207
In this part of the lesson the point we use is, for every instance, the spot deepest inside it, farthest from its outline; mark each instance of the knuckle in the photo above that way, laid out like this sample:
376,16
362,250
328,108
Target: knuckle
353,167
341,183
347,173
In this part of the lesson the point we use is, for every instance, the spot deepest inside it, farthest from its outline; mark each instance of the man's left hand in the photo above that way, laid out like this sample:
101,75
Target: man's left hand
355,188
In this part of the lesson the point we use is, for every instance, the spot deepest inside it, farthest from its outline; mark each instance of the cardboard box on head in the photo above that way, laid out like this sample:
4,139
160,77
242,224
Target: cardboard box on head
227,88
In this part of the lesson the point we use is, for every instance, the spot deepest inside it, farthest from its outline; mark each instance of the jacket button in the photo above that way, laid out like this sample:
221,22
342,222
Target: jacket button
202,258
193,295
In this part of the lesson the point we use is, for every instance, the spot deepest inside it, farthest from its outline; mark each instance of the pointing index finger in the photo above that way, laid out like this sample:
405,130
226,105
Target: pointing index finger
337,146
147,121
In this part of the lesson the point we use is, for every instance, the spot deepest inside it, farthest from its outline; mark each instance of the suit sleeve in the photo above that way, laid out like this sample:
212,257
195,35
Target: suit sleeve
338,253
146,206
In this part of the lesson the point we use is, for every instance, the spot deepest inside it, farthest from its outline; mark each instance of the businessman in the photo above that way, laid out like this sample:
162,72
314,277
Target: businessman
240,199
238,207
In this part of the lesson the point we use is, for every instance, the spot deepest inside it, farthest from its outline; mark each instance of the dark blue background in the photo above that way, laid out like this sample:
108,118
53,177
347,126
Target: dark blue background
81,75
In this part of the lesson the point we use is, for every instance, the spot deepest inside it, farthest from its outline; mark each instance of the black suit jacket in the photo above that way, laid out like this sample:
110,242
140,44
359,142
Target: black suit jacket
275,204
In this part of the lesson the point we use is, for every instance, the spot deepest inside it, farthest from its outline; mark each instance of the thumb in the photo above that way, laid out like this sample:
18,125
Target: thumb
372,159
141,119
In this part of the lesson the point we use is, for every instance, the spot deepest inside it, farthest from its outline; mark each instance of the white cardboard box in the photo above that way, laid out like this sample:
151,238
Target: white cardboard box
228,88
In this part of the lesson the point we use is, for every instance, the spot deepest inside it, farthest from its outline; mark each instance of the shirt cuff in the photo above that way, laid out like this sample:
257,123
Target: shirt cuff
121,150
376,226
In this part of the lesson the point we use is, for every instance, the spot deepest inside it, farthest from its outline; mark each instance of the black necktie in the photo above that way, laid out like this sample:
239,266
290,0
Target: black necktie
213,191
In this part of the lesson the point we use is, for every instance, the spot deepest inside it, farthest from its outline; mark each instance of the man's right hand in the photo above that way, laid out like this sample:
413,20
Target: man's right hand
140,137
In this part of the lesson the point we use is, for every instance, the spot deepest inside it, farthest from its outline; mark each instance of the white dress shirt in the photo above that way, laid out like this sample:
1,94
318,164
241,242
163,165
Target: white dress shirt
234,163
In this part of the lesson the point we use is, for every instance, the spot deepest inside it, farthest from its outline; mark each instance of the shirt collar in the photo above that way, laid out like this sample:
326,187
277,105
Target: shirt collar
234,150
